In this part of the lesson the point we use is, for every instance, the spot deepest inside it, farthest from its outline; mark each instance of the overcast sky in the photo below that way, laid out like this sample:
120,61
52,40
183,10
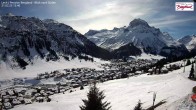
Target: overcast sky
83,15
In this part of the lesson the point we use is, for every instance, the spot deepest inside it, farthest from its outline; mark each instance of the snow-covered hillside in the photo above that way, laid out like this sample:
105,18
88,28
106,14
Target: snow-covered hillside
189,41
139,33
125,93
23,39
147,56
41,66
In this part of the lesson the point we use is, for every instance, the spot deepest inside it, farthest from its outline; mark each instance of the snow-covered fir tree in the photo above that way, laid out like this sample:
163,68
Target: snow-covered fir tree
95,100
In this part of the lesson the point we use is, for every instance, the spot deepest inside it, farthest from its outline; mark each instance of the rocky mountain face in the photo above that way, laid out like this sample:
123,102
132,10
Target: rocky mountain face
125,51
24,38
141,35
189,41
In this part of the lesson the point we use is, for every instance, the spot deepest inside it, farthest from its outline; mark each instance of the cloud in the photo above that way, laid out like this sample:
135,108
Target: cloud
172,21
83,15
108,14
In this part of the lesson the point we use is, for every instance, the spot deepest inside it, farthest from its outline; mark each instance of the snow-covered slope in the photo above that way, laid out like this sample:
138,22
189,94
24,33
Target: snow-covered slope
41,66
22,39
147,56
125,93
138,32
189,41
184,103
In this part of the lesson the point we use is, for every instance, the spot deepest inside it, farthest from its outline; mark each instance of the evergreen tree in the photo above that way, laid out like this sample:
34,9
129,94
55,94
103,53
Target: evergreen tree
94,101
191,75
138,106
159,69
124,59
21,62
81,87
133,70
188,62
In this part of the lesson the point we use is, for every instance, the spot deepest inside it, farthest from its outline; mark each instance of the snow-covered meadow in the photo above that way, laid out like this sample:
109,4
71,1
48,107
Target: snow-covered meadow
41,66
125,93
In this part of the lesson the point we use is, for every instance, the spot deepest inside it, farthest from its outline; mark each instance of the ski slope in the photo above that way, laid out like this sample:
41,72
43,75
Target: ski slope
125,93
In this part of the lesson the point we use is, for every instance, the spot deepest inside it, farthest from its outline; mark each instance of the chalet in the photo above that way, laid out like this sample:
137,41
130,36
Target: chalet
64,84
20,95
16,102
75,85
10,92
164,70
7,105
138,72
20,99
44,94
6,99
12,97
42,91
37,95
52,90
3,93
39,99
49,92
28,94
130,74
27,101
150,71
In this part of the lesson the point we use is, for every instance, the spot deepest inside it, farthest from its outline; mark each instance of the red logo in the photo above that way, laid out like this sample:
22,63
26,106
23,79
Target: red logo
184,6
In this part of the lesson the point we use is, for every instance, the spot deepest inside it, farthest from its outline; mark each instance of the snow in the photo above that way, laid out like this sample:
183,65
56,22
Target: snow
101,37
125,93
185,103
147,56
138,32
189,41
41,66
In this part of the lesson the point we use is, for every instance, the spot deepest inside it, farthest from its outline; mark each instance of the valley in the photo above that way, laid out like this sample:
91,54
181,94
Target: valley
48,65
62,89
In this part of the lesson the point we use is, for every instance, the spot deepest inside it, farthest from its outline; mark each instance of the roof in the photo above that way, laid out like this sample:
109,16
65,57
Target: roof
193,97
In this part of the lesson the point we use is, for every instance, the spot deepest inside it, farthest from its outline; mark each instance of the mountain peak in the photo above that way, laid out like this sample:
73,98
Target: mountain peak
167,36
9,14
115,29
50,21
137,22
189,41
91,32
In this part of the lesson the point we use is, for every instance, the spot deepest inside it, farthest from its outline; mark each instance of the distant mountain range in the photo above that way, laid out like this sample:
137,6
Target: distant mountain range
146,38
24,38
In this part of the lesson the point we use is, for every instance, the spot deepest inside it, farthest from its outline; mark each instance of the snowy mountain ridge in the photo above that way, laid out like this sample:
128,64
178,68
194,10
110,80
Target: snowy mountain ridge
189,41
138,32
24,38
